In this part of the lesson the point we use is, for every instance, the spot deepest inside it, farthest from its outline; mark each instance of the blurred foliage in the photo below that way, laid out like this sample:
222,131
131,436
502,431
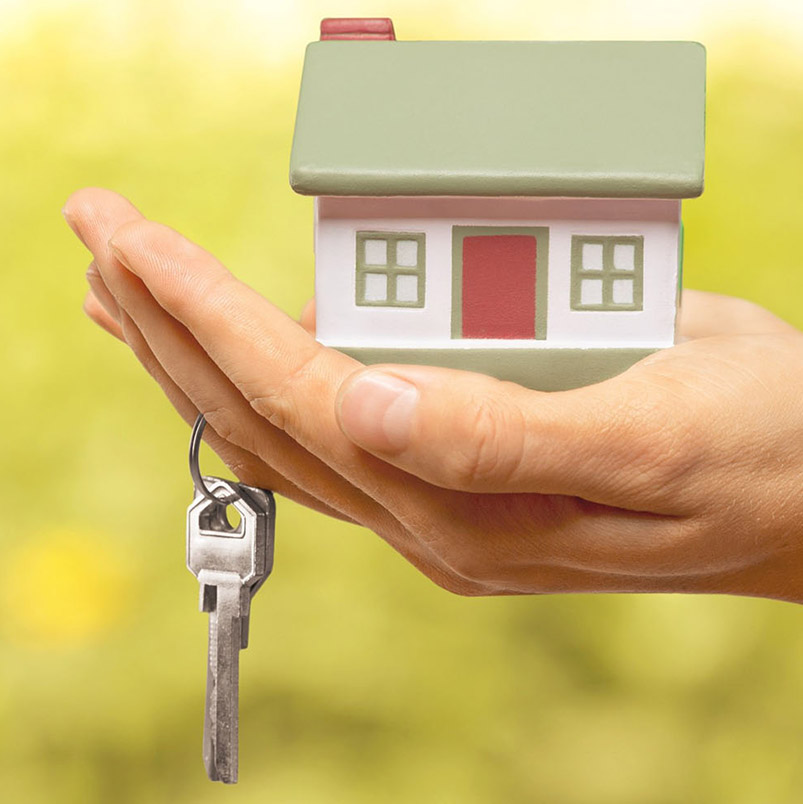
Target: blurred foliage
363,682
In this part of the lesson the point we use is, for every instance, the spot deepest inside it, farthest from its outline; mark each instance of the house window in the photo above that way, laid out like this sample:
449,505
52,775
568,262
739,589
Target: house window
390,269
607,273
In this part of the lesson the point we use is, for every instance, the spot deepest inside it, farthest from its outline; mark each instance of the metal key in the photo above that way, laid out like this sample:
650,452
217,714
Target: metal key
231,563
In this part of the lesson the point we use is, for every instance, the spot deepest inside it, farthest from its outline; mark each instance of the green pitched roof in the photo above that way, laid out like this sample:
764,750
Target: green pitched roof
603,119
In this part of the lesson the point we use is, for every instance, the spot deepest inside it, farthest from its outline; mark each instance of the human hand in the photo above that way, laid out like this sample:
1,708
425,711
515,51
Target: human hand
680,475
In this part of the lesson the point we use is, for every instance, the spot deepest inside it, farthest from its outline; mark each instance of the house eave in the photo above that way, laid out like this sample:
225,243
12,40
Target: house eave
317,181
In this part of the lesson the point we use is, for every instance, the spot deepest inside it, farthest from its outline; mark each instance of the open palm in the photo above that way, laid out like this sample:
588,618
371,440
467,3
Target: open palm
681,474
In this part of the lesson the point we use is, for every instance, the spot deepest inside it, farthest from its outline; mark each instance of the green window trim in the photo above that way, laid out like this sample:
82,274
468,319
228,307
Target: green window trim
607,273
390,269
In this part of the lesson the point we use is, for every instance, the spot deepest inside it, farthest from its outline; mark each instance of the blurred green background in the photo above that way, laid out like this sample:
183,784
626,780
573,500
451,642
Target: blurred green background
363,682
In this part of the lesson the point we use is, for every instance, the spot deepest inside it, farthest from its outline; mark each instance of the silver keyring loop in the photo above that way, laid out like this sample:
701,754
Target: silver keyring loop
195,470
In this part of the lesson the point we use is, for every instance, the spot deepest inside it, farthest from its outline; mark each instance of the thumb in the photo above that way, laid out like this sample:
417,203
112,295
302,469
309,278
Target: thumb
468,432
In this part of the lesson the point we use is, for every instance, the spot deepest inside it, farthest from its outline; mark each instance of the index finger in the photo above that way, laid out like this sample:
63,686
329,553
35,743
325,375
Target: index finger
281,370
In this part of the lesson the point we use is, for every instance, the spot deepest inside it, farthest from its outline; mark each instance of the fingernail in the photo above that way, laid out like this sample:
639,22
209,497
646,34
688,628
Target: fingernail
376,411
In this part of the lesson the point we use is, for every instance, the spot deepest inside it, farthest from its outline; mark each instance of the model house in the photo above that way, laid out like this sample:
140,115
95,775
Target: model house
505,207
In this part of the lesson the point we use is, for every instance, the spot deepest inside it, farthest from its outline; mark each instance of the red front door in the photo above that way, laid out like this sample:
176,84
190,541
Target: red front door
499,286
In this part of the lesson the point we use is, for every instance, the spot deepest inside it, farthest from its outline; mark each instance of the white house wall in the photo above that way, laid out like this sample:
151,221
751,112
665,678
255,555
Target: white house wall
340,322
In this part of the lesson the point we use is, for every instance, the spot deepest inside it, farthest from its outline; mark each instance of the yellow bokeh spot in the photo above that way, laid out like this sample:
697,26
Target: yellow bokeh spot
63,587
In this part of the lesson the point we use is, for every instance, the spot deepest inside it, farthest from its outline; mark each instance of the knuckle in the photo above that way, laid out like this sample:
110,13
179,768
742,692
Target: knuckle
459,586
426,526
223,421
452,581
186,292
241,468
665,443
171,260
453,545
280,406
133,234
214,291
487,449
469,565
463,559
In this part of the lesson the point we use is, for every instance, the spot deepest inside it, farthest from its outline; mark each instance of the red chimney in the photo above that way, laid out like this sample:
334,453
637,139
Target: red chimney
358,28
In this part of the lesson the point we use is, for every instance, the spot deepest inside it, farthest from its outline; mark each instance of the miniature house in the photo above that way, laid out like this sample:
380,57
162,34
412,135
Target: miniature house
505,207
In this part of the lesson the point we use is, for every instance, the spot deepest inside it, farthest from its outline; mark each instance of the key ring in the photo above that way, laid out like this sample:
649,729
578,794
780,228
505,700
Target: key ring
195,469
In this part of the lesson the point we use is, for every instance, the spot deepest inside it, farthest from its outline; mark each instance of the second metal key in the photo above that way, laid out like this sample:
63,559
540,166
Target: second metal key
231,563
